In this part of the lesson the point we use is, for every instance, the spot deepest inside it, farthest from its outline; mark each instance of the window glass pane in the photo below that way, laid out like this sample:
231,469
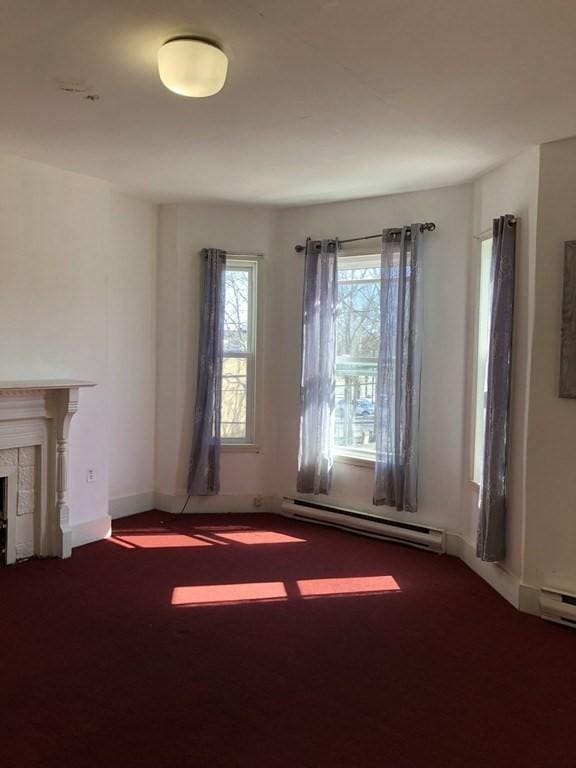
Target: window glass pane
358,326
237,310
234,397
357,343
355,411
484,300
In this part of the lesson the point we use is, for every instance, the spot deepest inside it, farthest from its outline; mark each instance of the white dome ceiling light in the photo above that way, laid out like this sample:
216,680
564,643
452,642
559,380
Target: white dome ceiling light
192,66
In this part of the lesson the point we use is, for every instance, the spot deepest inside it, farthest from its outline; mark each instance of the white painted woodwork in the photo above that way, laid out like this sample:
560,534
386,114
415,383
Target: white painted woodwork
38,414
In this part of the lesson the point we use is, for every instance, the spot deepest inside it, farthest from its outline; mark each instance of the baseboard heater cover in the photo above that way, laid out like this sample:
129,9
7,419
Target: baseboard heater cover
421,536
558,606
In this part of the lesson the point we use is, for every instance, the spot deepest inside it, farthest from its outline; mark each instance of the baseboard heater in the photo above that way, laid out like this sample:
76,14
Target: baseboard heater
421,536
558,606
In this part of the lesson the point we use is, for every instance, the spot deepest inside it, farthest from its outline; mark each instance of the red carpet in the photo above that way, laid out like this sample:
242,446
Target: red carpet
253,641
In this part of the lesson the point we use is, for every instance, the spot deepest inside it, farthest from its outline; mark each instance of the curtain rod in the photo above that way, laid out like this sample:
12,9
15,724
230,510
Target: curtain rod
427,226
237,254
490,230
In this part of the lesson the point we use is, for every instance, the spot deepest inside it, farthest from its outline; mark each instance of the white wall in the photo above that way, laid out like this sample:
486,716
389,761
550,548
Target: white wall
184,231
63,298
84,295
445,272
551,476
511,188
132,353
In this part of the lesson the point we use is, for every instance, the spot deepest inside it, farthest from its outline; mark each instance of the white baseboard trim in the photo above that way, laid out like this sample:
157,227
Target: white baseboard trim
91,530
124,506
506,584
222,503
226,503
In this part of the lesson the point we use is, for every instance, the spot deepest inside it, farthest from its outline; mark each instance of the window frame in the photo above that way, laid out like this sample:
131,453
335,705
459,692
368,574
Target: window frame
356,258
477,417
250,263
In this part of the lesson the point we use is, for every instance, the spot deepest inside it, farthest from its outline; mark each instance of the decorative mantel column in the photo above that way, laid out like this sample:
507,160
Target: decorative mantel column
67,407
39,413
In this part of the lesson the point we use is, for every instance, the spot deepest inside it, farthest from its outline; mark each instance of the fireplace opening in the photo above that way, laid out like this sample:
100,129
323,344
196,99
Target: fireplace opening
3,521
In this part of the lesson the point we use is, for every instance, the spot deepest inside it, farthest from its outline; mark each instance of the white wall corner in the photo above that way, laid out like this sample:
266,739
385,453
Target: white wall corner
164,502
454,544
505,583
91,530
124,506
529,599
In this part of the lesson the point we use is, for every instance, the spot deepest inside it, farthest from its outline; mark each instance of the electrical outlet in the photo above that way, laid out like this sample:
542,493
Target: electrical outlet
91,476
257,501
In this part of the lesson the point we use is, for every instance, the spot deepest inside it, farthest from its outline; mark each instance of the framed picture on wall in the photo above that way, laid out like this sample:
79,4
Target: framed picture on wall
567,386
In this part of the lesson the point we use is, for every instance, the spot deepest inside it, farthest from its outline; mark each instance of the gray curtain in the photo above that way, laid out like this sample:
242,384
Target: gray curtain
399,366
318,367
491,541
204,469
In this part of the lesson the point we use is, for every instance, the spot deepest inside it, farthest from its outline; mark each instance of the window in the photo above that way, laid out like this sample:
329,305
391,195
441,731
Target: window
482,343
239,364
357,343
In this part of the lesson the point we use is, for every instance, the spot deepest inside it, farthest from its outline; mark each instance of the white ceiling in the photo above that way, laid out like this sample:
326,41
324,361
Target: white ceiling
325,100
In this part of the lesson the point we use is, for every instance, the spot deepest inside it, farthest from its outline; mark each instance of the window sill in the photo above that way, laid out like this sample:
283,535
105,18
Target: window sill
240,448
356,461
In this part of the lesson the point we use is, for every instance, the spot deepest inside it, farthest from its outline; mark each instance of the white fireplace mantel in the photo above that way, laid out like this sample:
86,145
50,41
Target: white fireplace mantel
39,412
35,384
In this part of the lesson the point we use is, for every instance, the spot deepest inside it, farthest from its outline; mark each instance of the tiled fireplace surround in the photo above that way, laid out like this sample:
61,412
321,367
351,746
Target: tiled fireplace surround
35,421
21,467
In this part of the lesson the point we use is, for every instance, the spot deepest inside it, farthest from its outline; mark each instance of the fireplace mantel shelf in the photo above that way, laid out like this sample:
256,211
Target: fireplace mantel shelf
12,386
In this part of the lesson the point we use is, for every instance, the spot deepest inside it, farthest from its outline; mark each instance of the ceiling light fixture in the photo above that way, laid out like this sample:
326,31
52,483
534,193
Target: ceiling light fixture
192,66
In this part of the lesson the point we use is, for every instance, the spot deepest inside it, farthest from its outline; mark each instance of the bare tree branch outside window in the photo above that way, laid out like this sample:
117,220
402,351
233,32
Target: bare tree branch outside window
238,351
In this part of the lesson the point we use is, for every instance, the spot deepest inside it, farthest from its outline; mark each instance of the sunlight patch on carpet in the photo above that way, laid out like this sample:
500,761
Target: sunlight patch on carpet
160,541
356,585
272,591
259,537
227,594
